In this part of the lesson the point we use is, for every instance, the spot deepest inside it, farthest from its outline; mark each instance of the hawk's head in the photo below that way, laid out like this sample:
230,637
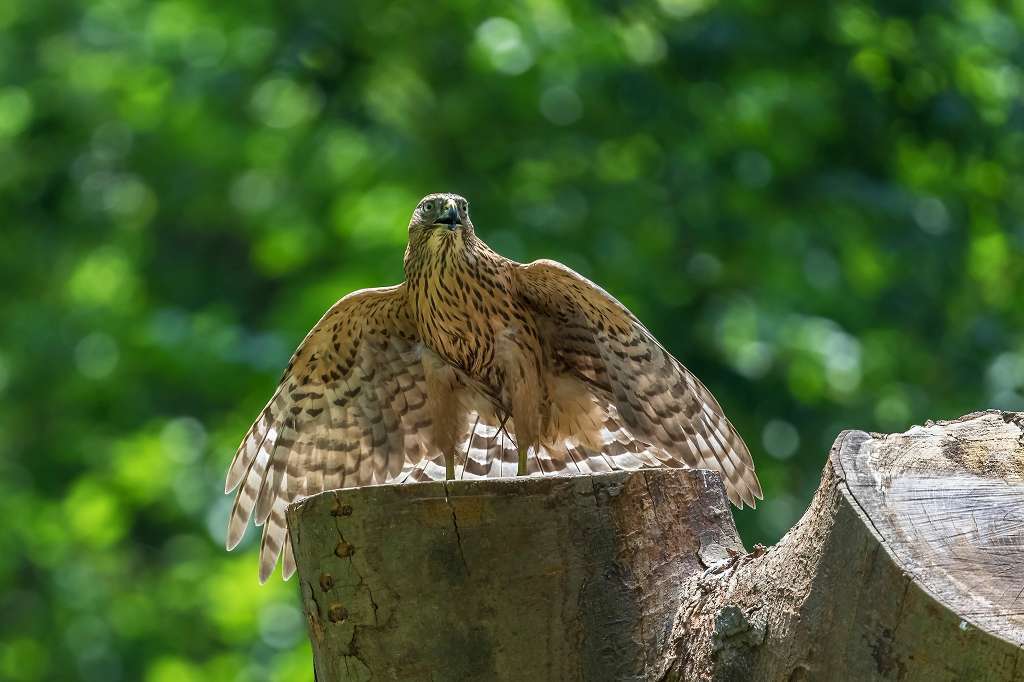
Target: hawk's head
440,216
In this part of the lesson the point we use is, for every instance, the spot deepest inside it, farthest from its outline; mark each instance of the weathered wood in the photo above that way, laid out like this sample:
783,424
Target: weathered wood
520,578
948,500
908,565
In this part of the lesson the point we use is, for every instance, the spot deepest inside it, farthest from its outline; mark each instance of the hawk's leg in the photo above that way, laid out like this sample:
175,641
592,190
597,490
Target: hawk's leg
446,415
525,438
527,398
449,465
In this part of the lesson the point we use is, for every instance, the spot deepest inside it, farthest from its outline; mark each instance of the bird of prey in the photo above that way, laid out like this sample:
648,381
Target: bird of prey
474,366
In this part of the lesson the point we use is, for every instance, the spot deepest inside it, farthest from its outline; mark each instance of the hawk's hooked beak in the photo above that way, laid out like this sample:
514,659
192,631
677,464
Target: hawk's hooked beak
450,217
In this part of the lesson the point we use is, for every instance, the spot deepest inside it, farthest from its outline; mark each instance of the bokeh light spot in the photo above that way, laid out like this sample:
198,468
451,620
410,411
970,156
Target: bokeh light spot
642,42
680,9
15,111
561,105
96,355
282,103
780,438
103,278
502,41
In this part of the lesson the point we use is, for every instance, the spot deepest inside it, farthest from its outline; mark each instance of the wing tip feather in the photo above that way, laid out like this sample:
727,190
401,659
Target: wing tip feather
233,538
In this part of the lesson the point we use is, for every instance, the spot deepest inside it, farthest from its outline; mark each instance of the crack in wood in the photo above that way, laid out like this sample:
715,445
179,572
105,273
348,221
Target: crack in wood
898,548
455,526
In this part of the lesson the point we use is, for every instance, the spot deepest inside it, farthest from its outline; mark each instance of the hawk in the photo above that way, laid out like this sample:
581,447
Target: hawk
475,366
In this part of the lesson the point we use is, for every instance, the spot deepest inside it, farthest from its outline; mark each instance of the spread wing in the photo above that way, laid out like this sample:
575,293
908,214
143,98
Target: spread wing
652,396
350,410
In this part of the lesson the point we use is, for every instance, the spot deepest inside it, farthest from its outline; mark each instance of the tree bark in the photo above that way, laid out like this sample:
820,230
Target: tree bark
908,565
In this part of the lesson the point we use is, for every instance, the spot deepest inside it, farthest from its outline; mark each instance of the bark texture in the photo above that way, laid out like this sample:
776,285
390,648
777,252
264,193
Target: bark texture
908,565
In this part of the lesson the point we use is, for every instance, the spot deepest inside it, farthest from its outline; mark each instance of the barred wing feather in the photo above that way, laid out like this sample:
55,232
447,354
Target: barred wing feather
653,400
351,409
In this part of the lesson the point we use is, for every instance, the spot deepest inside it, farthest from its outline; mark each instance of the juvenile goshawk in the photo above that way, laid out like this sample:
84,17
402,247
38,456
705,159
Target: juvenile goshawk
474,366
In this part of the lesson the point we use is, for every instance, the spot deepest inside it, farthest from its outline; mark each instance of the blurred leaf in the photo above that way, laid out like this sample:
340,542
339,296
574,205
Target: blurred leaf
819,208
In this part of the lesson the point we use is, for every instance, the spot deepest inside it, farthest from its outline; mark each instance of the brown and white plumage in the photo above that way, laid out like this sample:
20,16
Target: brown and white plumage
475,366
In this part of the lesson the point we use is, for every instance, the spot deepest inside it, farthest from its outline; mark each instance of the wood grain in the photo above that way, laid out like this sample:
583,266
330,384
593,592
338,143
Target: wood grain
521,579
908,565
947,499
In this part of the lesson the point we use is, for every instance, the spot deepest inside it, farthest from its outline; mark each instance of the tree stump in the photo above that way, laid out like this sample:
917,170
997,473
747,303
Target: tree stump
908,565
515,578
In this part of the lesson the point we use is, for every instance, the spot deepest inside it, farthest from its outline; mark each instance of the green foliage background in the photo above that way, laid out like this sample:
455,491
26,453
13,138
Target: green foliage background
817,206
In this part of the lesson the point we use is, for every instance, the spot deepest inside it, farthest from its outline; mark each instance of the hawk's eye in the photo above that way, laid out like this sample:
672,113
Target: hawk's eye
463,206
429,206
